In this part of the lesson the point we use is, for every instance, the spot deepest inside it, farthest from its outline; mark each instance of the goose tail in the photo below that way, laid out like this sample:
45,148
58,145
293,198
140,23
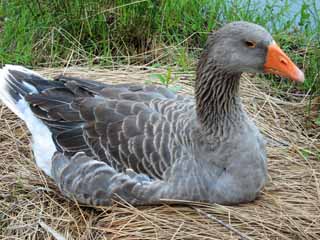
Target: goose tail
14,86
16,82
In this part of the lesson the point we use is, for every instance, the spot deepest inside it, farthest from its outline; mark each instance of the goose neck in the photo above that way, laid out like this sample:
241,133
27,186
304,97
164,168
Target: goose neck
217,97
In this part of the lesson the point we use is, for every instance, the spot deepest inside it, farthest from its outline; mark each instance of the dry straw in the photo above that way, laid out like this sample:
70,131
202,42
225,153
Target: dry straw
31,206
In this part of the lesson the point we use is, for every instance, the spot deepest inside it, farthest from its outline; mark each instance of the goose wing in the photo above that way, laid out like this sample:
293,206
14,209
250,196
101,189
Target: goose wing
127,126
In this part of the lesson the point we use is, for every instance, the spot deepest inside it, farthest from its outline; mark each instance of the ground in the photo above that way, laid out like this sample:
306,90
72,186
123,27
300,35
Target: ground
31,206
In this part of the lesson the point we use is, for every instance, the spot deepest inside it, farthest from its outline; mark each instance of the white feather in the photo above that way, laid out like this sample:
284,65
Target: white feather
32,88
4,94
21,69
43,145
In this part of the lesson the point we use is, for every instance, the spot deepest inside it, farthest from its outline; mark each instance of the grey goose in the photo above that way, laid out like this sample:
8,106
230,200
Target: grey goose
142,143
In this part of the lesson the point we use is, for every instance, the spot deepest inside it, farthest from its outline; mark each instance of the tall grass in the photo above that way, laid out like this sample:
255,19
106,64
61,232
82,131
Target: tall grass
59,32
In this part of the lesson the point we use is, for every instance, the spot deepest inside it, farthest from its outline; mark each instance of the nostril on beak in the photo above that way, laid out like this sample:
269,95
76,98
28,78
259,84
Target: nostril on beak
283,61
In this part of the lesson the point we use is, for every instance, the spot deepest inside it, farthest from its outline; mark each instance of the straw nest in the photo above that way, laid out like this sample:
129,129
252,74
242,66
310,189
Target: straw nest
31,206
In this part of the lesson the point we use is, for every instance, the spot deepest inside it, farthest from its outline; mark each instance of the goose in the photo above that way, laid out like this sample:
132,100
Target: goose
144,144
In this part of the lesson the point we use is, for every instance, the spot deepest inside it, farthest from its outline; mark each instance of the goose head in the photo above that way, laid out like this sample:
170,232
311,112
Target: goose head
246,47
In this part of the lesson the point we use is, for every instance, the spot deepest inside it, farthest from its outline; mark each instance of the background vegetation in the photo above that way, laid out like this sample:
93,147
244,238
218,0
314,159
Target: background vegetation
150,32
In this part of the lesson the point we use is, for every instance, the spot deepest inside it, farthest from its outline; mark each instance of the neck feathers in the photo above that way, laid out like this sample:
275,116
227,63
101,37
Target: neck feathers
217,96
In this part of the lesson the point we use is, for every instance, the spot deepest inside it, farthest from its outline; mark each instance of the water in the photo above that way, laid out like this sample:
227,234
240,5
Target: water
302,12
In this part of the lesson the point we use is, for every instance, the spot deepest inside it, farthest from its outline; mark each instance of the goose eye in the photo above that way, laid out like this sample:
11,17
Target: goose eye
250,44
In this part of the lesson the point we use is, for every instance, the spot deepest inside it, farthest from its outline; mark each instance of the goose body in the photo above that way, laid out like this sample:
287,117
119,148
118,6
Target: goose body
143,144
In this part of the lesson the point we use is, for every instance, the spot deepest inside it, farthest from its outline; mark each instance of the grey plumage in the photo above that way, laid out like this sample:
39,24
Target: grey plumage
142,144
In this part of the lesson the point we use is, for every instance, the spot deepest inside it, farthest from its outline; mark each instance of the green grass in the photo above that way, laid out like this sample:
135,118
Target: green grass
59,32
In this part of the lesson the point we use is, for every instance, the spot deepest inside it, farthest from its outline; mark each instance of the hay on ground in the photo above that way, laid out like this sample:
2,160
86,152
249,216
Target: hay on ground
31,206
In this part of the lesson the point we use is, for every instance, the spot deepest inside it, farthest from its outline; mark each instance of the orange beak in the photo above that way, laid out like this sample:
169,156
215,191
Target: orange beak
277,62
